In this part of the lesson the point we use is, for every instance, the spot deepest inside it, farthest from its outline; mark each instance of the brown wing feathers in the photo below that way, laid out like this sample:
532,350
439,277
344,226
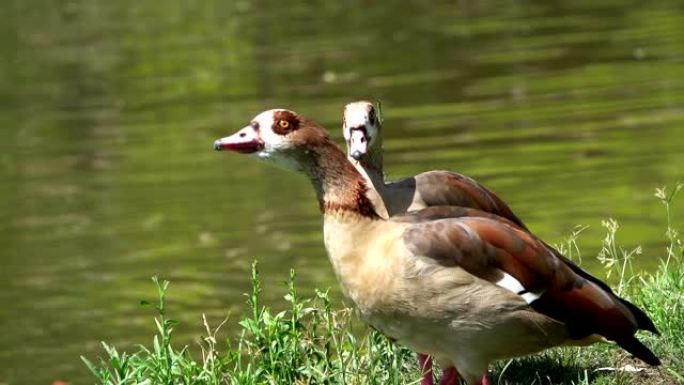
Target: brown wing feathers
439,212
489,249
642,319
445,188
593,311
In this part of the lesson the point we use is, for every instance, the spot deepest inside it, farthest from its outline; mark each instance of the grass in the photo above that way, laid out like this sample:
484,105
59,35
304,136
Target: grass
310,343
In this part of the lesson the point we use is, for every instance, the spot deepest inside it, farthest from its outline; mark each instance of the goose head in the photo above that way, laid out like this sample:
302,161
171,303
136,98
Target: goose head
361,129
280,136
296,143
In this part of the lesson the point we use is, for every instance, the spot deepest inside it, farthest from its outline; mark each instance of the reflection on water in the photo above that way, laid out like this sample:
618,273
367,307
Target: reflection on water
571,111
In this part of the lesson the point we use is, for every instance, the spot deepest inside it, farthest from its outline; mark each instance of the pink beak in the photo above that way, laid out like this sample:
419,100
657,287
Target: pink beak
245,141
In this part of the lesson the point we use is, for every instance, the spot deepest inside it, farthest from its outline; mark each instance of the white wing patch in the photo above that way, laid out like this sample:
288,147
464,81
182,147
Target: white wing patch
509,282
530,297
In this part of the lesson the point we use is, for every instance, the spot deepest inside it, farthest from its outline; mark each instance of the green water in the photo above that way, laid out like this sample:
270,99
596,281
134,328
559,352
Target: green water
572,111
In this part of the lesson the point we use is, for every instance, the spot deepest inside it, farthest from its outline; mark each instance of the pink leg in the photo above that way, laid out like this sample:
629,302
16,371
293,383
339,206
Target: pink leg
425,364
449,377
485,379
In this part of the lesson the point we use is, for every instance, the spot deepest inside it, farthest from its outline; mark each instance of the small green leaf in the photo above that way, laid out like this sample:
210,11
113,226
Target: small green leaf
171,322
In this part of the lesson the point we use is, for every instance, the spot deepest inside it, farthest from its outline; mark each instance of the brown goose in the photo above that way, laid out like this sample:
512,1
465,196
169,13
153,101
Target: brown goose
362,130
461,285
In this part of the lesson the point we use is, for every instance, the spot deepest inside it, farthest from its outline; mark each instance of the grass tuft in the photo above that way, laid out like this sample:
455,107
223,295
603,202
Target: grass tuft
310,343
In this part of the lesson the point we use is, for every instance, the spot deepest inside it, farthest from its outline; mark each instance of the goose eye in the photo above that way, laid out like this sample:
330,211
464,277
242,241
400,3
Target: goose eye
371,117
284,124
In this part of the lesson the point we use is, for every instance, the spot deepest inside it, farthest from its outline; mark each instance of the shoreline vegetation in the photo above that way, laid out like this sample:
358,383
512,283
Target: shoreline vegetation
311,343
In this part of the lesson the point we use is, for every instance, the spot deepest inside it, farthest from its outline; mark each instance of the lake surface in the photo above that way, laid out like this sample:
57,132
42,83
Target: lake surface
573,111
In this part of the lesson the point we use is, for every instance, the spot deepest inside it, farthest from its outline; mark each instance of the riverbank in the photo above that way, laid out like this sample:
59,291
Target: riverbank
310,343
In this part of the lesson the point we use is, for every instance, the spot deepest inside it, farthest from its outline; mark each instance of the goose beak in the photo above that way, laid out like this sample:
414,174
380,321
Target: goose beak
217,145
245,141
357,155
358,144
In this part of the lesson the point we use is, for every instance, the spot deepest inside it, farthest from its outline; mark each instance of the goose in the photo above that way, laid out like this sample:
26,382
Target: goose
461,285
362,130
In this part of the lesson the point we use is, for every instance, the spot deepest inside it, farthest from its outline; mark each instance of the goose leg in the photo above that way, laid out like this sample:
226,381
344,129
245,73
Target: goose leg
425,364
449,377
